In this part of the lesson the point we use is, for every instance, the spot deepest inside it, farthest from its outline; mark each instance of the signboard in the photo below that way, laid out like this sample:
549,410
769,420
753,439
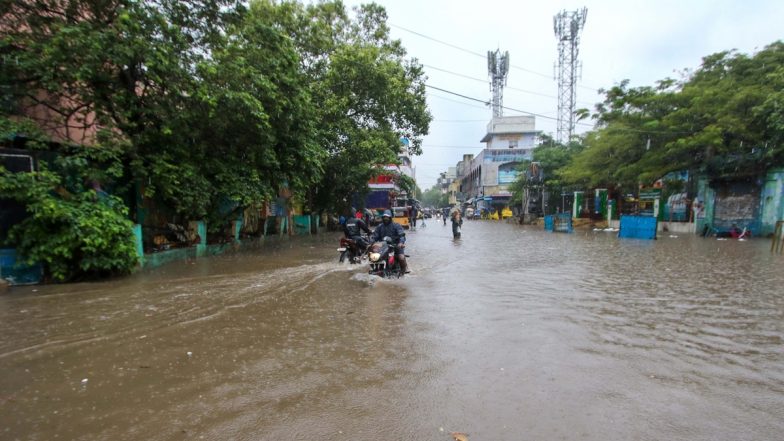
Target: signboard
649,194
506,176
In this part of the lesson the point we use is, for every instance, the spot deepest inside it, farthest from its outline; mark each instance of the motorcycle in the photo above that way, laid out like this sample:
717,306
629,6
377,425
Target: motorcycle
351,250
383,263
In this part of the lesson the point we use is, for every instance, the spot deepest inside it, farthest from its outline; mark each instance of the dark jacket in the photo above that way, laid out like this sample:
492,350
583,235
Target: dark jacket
393,230
354,227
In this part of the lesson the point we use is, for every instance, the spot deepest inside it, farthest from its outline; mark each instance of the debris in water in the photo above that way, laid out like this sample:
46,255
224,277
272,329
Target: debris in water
84,381
459,436
190,353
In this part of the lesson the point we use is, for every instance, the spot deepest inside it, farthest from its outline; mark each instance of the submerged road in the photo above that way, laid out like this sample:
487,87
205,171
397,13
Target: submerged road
510,333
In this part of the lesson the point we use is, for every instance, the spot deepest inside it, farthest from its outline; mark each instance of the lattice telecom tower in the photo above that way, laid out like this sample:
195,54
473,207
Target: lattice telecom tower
497,68
567,26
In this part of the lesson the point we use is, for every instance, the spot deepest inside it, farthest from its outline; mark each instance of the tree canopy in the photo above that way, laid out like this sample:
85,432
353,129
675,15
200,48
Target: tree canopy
724,119
212,103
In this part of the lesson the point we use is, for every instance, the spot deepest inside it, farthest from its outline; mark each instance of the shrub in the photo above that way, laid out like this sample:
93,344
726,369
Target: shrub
74,235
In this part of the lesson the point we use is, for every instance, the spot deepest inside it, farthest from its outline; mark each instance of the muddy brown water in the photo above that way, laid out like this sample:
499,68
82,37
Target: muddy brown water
511,333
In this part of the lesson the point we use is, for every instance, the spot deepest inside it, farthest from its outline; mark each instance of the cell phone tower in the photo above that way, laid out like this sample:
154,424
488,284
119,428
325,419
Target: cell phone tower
567,26
498,69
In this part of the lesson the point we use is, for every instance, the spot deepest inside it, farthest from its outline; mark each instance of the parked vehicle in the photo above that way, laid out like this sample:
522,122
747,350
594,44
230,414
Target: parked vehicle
401,215
383,263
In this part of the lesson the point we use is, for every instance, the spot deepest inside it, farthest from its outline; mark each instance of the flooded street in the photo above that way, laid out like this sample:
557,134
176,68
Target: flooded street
511,333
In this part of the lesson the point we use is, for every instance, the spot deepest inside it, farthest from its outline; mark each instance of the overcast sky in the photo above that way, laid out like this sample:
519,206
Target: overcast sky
643,41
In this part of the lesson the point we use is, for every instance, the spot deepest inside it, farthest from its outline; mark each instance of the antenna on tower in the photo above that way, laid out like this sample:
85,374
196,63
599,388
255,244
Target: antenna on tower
567,27
498,69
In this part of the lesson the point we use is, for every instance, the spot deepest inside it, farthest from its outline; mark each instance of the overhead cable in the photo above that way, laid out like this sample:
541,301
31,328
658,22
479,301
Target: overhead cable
484,56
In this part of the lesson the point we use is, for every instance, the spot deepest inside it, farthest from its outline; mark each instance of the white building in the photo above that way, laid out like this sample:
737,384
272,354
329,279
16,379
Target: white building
509,140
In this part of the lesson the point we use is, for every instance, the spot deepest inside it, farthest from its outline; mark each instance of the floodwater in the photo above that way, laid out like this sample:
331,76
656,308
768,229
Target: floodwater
510,333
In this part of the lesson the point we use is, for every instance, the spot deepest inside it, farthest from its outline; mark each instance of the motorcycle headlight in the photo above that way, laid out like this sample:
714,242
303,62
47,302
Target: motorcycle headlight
374,257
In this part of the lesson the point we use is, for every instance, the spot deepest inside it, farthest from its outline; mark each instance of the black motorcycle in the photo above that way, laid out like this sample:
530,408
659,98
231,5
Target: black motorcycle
382,259
351,250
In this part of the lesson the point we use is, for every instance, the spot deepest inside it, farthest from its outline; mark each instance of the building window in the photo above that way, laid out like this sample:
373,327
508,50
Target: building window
512,144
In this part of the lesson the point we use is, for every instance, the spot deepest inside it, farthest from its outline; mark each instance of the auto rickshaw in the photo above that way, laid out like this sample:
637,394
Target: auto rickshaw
400,215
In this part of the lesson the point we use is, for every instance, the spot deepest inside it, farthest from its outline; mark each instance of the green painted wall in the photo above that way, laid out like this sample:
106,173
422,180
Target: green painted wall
772,201
137,232
707,196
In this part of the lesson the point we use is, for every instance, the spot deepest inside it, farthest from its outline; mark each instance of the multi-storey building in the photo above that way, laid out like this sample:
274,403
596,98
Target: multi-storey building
485,179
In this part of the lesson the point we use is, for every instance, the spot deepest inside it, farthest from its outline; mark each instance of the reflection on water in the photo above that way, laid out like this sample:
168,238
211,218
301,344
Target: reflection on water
507,333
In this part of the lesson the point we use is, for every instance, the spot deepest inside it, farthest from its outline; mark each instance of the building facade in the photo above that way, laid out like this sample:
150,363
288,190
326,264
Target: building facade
485,179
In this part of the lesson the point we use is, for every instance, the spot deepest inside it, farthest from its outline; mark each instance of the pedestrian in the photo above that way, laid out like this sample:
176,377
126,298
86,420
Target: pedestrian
457,222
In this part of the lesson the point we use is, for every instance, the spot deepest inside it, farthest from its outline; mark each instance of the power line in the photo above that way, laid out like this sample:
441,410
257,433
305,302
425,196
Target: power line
458,120
438,41
433,146
485,82
592,126
458,102
483,56
487,103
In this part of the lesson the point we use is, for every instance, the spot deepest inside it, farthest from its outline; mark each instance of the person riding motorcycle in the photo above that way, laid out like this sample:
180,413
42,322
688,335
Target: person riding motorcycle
394,231
353,228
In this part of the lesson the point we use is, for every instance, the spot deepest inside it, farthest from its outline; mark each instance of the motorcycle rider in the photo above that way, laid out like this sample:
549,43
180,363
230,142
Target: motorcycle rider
353,229
395,231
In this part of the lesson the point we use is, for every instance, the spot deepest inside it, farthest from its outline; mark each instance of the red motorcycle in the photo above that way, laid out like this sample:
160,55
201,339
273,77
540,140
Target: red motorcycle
381,256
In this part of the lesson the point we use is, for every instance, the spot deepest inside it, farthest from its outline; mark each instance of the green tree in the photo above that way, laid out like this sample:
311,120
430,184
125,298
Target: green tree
365,92
551,158
723,119
434,198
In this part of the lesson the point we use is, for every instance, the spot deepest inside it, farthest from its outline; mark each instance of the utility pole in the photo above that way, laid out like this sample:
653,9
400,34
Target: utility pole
498,69
567,27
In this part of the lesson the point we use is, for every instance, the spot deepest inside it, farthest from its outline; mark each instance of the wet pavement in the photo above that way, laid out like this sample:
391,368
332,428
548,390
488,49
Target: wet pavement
510,333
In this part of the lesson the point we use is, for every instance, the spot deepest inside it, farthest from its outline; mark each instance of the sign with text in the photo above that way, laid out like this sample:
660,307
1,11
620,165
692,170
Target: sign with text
649,194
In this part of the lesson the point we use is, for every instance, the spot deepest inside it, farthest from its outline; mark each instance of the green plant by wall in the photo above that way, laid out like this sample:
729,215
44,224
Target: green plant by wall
75,235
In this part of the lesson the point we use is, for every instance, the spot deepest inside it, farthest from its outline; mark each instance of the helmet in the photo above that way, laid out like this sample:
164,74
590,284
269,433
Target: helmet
358,215
387,213
342,220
